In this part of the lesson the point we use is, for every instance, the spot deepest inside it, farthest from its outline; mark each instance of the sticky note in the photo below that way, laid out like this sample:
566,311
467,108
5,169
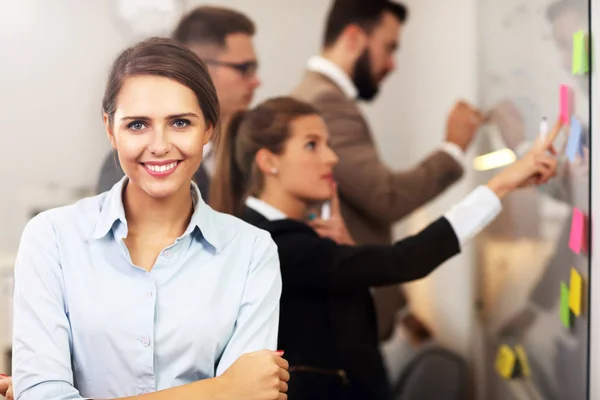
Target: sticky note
580,63
505,361
523,360
574,146
565,104
565,312
575,292
577,240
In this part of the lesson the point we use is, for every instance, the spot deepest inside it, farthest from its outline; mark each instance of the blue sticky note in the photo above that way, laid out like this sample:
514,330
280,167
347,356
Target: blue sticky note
574,147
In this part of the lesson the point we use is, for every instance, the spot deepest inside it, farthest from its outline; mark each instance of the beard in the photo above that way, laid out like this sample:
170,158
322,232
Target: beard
363,78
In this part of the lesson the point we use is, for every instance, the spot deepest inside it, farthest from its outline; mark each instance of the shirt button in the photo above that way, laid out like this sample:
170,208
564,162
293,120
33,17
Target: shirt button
145,341
167,253
149,294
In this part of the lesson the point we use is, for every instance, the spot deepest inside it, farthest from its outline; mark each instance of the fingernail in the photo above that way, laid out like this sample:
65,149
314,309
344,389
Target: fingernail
312,216
279,352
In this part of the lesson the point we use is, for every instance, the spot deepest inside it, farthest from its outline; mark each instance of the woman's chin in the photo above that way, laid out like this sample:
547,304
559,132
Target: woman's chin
320,197
161,189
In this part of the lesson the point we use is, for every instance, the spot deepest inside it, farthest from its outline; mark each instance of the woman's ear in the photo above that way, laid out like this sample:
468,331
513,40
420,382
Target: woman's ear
267,162
109,131
208,134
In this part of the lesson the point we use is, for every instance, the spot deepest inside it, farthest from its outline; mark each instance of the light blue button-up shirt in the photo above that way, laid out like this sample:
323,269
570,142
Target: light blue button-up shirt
88,323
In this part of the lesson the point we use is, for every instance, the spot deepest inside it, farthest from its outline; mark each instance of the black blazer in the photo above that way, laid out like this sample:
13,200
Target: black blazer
111,173
327,317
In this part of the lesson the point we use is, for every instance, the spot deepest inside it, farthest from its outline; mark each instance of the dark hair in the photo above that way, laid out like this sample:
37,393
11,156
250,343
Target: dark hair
167,58
557,8
416,328
364,13
211,25
265,126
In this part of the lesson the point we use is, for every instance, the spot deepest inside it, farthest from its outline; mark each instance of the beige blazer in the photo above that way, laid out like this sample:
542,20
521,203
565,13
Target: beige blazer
372,196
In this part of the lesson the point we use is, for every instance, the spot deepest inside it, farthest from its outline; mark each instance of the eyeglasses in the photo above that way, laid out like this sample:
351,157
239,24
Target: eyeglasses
246,69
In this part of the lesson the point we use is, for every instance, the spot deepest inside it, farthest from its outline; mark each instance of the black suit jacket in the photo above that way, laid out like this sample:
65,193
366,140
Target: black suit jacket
111,173
327,317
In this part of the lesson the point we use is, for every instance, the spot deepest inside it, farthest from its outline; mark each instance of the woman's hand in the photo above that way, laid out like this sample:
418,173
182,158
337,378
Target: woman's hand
333,228
534,168
262,375
6,387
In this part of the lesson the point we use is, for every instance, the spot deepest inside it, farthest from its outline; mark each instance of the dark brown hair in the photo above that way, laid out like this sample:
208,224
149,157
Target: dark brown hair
167,58
364,13
266,126
211,25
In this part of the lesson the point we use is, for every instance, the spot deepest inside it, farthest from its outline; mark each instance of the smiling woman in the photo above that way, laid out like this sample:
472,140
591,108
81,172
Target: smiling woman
145,291
163,120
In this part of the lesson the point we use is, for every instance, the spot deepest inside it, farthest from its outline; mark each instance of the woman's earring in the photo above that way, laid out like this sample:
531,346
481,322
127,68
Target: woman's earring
274,171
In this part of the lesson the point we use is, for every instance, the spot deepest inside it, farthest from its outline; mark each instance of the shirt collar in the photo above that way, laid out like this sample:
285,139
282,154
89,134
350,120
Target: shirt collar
112,211
265,209
336,74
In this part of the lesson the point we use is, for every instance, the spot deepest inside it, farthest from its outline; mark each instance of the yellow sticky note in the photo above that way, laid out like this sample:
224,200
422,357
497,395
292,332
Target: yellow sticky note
505,361
522,356
575,292
580,61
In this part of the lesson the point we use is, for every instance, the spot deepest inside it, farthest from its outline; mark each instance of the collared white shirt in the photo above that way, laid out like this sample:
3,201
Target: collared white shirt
88,323
265,209
336,74
326,67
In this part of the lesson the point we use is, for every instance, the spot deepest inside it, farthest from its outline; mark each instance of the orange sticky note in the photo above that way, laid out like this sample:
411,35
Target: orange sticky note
577,241
575,292
565,104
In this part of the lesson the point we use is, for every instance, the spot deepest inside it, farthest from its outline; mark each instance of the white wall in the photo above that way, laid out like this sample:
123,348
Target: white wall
437,65
55,57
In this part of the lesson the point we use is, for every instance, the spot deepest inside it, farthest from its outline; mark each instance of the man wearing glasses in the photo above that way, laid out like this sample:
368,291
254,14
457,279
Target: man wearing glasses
222,38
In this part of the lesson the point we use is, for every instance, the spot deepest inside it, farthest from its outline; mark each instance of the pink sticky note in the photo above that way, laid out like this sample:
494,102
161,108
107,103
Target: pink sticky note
577,242
565,104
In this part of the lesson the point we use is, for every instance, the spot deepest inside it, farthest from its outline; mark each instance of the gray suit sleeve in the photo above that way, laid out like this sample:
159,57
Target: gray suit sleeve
110,173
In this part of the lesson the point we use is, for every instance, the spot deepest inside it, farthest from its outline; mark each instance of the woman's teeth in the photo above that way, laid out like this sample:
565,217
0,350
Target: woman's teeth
161,168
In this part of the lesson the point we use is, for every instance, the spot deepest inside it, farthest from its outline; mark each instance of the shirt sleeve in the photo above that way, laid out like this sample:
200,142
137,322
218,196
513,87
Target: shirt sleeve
257,323
455,152
473,213
41,331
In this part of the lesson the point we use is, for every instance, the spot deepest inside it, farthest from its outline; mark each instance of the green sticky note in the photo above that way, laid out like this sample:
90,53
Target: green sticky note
565,312
580,61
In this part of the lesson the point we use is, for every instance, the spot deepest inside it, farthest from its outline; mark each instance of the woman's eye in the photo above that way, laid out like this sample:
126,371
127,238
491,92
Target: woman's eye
311,145
181,123
136,126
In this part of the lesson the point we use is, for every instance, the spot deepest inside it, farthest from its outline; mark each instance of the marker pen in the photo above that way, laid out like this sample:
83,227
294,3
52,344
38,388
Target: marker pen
544,127
326,211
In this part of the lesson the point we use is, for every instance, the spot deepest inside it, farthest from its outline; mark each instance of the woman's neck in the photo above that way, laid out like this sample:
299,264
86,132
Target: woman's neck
165,217
292,207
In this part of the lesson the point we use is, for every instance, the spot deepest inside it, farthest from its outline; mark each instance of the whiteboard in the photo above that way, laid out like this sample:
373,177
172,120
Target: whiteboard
525,56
